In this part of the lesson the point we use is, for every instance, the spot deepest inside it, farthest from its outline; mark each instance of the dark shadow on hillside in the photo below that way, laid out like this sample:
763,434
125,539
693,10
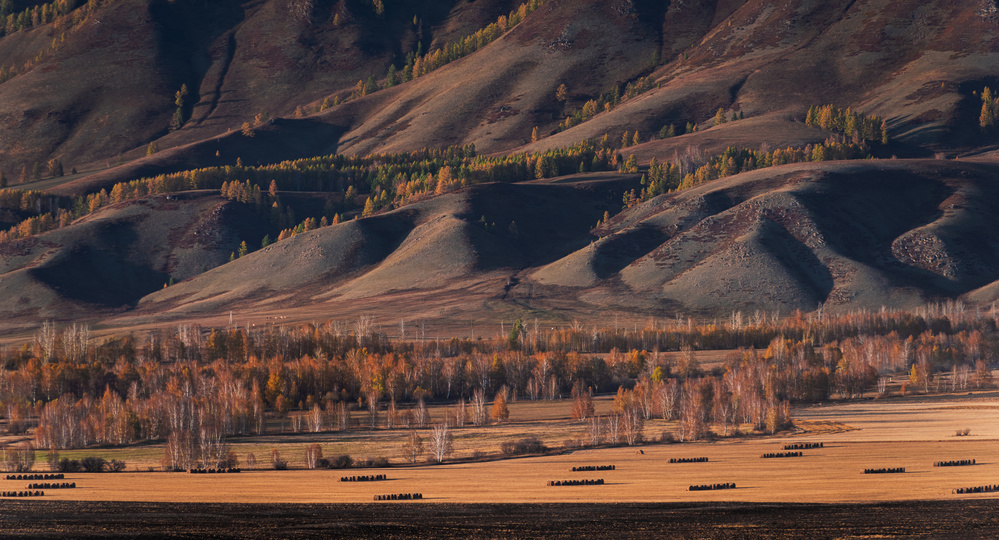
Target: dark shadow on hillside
100,277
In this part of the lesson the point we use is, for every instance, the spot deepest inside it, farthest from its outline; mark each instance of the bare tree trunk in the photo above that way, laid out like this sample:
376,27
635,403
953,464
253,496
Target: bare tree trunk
441,442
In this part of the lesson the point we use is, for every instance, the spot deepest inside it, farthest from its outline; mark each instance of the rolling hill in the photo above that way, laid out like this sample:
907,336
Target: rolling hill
94,89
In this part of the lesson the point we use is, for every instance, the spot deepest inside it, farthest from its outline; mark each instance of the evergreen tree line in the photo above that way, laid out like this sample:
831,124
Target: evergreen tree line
367,184
667,177
40,14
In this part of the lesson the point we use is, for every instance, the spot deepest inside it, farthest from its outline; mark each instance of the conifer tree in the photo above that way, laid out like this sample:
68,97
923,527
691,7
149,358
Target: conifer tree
562,93
987,118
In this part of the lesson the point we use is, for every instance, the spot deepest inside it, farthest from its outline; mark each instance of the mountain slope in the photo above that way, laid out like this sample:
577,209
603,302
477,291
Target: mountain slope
263,77
844,234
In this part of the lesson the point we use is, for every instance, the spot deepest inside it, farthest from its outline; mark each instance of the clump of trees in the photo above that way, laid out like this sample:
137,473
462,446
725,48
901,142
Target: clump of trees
526,445
607,102
90,464
855,124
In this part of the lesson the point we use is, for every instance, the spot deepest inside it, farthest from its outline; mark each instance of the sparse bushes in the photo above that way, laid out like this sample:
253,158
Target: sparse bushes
413,447
527,445
67,465
372,462
963,432
90,464
276,461
342,461
93,464
17,458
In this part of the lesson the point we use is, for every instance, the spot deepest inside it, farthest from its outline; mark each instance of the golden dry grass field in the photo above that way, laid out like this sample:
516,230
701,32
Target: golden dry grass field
909,432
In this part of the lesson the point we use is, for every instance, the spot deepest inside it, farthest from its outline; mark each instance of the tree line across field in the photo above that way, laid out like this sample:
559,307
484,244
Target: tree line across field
193,387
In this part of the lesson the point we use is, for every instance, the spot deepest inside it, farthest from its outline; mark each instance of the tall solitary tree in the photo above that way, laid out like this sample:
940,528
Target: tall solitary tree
562,93
441,442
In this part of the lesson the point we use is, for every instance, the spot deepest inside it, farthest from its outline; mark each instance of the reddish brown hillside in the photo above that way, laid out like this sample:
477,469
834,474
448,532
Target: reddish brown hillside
916,64
96,86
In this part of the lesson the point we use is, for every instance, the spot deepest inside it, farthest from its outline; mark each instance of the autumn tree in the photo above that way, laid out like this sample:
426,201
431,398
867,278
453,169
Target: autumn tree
687,366
719,118
562,93
582,402
990,109
500,411
413,447
693,411
921,374
313,453
178,115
